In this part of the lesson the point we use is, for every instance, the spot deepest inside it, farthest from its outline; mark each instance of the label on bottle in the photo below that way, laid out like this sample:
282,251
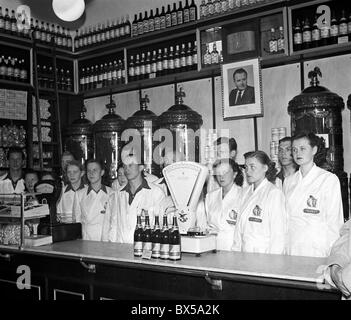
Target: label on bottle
195,59
134,29
174,252
142,69
43,36
107,35
174,18
192,14
159,66
325,31
137,70
306,36
102,37
281,44
156,247
117,33
171,64
147,246
215,57
109,75
316,34
100,77
16,73
95,78
211,9
217,7
48,37
140,28
146,26
10,71
82,81
334,30
14,26
180,17
64,41
3,71
37,35
157,23
183,62
151,25
123,74
80,43
168,20
176,63
231,4
2,24
112,33
189,60
186,17
153,67
85,41
69,42
163,22
224,6
131,71
343,28
91,78
114,74
148,68
297,38
138,248
349,27
165,64
8,25
164,251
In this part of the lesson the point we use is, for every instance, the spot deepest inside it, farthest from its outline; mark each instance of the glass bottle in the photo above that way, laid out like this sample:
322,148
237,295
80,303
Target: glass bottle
164,248
297,36
174,241
163,19
180,14
151,21
156,239
157,20
138,238
174,15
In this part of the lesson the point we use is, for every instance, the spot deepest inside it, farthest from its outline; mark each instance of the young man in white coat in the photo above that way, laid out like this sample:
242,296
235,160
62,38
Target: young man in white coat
89,205
313,201
13,182
222,205
261,227
130,201
74,172
338,273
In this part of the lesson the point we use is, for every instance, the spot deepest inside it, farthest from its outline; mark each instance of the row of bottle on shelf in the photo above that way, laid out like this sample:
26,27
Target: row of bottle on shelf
42,31
107,74
12,68
276,42
307,36
211,8
164,62
164,19
157,243
12,136
46,78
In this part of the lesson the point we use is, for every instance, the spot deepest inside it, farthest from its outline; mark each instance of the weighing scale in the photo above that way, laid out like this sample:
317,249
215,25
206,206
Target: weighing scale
185,180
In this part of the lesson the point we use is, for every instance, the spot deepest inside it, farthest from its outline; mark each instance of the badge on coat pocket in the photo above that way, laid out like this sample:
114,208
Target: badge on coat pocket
312,204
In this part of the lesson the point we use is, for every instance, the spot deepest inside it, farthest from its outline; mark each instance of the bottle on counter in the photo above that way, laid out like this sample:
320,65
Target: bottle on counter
138,238
164,239
174,241
316,34
146,235
334,29
156,239
306,34
297,36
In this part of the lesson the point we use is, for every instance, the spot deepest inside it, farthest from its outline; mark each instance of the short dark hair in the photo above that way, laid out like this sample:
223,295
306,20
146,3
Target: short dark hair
231,143
15,150
285,139
74,163
240,70
31,171
313,139
263,158
93,160
239,179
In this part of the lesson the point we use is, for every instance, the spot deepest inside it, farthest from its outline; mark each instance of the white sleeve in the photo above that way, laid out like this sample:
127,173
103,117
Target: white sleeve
334,210
108,233
201,213
278,222
77,212
237,241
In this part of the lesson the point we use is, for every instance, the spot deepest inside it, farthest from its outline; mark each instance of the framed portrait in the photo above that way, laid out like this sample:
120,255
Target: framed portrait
242,89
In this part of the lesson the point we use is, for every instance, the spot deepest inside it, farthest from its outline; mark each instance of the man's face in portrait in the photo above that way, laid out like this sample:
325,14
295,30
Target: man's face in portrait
240,80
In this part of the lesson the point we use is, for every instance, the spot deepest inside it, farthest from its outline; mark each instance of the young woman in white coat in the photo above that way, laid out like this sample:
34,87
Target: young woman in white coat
74,172
314,204
222,205
90,203
261,226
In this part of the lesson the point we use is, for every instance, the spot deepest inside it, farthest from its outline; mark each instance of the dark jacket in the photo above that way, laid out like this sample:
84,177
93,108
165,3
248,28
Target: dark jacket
248,96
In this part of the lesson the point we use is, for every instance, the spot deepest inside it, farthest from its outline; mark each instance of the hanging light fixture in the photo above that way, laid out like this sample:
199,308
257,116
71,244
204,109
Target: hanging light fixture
68,10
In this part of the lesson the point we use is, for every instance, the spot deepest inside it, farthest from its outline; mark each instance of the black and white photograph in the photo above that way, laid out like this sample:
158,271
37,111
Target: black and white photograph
176,158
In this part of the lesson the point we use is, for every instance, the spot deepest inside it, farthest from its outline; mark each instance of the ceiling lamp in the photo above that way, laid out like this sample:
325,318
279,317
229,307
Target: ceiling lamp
68,10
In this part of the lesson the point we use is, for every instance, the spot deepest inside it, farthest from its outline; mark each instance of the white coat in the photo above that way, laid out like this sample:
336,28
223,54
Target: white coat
64,206
148,177
262,223
89,208
121,217
222,214
315,213
6,185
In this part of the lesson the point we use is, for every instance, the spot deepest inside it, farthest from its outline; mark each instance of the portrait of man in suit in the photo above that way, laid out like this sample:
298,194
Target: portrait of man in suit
242,93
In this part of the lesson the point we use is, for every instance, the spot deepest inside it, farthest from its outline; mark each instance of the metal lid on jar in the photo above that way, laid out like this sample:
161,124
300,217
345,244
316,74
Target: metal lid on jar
180,114
111,122
139,118
81,126
315,96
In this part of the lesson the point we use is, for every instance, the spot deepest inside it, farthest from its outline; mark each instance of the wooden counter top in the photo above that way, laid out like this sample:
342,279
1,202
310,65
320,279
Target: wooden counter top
304,269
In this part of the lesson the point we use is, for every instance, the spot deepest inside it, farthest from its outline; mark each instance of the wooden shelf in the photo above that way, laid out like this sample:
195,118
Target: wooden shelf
16,84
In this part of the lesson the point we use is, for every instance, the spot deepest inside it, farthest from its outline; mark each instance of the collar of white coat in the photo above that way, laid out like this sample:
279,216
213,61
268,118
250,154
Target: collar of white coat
261,186
144,184
9,178
310,174
69,187
103,188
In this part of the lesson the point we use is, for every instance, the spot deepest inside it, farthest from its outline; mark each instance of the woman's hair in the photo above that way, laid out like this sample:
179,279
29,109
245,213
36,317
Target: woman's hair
263,158
75,163
320,158
239,179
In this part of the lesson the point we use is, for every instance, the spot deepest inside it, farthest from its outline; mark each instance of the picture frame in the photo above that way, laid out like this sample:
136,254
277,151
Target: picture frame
242,97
